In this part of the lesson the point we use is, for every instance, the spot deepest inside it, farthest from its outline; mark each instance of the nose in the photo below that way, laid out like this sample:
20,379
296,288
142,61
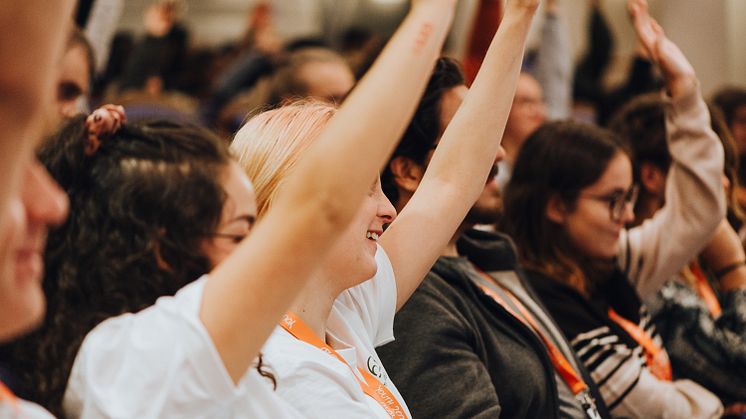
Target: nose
500,154
629,213
386,210
45,202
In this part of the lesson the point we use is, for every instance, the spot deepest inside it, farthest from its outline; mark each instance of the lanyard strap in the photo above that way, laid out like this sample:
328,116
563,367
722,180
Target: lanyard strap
561,364
656,357
370,385
704,289
7,396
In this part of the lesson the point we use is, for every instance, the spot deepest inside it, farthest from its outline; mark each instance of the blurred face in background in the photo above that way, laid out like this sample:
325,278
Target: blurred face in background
528,111
72,87
327,80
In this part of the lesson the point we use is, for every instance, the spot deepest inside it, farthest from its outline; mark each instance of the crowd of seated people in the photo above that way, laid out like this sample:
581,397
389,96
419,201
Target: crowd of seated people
278,229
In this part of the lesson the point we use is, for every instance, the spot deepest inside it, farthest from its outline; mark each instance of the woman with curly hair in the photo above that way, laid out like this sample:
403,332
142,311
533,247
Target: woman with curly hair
157,306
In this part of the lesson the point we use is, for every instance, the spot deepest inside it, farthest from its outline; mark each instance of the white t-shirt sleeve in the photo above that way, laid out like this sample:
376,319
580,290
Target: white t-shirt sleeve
374,301
159,362
24,410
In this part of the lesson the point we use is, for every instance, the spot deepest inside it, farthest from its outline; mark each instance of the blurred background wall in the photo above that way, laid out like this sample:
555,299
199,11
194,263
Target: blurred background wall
711,32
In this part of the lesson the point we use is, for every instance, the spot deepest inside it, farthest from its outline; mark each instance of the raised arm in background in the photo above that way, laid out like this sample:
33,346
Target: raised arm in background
695,200
450,187
554,63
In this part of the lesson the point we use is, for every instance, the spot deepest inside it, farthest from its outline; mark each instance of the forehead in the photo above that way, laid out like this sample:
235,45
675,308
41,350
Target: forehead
616,177
241,198
449,104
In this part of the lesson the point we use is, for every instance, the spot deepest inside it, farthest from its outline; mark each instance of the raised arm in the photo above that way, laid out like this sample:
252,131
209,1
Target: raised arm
251,289
695,202
34,34
554,63
451,184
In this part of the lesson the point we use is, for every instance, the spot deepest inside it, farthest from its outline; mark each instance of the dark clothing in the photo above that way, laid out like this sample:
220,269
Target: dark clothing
460,354
709,351
614,359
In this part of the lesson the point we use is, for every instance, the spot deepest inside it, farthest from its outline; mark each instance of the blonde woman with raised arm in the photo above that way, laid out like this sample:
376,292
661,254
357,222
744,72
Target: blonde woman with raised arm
194,354
323,354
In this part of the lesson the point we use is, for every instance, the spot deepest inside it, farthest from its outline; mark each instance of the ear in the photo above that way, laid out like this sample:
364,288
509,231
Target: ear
556,209
159,260
407,174
653,179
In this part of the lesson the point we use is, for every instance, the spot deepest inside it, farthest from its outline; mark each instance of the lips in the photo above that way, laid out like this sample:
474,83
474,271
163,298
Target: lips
29,264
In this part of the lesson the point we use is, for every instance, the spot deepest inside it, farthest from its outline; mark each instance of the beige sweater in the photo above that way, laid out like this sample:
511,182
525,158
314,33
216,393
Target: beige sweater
654,251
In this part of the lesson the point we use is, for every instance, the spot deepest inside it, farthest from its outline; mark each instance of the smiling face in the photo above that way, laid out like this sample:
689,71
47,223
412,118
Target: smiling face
589,225
23,231
239,214
352,259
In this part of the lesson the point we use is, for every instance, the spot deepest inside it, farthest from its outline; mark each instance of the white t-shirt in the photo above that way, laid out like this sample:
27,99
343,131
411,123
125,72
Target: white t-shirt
161,363
23,410
318,384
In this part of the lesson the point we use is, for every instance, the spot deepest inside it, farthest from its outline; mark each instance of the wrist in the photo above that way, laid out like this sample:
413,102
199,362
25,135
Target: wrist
682,85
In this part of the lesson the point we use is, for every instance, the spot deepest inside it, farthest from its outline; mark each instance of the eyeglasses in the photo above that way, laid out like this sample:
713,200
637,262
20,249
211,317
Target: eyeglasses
617,201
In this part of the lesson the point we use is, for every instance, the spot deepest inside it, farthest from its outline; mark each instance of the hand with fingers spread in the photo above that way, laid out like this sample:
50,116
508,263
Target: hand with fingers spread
678,72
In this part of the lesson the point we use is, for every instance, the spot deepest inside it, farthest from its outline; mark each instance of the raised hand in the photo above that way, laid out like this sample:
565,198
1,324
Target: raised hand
678,72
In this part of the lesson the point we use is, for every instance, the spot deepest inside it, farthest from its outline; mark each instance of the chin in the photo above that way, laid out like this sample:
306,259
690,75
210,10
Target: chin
23,315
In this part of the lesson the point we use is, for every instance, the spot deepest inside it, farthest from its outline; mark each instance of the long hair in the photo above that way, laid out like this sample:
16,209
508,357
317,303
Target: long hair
269,145
140,209
557,161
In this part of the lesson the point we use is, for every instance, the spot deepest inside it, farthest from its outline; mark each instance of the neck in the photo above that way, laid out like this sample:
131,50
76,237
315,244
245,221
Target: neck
314,304
450,249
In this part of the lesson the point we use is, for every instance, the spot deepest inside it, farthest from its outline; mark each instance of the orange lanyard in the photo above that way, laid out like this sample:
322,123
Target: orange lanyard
7,396
563,367
705,290
655,357
371,386
561,364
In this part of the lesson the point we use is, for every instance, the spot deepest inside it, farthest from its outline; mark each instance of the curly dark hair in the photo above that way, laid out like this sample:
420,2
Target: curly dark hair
140,209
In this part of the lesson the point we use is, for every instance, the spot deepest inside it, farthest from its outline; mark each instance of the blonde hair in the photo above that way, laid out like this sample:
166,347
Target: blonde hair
269,145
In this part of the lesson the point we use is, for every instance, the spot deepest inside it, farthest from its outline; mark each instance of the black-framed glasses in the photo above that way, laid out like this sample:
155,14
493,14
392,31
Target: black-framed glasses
617,201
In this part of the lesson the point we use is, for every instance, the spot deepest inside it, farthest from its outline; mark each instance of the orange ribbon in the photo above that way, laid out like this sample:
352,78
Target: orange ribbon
370,385
705,291
563,367
655,357
7,396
